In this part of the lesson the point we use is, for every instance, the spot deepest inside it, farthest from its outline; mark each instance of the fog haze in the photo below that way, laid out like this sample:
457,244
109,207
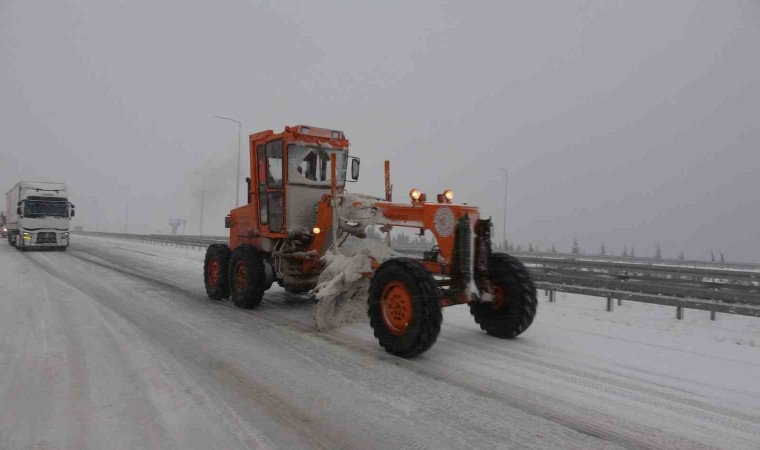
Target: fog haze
623,123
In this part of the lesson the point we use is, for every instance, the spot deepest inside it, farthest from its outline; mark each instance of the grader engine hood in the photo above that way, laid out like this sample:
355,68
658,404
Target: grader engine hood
356,212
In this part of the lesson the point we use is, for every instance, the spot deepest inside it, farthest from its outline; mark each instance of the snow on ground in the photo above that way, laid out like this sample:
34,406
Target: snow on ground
580,377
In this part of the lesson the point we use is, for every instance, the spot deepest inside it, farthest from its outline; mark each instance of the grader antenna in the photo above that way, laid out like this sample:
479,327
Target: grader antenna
388,195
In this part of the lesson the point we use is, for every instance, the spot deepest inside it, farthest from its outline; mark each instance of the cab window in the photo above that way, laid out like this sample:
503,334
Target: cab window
274,164
262,180
310,165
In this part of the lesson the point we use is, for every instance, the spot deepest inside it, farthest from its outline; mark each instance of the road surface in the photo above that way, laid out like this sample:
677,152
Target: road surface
114,344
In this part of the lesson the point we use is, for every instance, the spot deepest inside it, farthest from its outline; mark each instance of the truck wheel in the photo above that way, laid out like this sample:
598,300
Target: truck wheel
404,307
215,271
247,277
514,306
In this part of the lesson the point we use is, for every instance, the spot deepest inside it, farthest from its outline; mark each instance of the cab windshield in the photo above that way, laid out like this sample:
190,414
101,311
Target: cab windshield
310,165
46,208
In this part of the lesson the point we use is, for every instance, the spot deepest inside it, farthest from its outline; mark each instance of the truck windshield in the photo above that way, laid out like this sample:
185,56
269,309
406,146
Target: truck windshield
46,208
311,165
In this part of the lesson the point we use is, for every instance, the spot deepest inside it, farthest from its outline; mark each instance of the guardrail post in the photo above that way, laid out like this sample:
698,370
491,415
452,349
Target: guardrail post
552,293
620,302
610,304
679,312
712,315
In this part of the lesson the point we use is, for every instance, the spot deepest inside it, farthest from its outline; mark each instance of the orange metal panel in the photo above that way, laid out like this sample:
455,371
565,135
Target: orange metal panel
422,215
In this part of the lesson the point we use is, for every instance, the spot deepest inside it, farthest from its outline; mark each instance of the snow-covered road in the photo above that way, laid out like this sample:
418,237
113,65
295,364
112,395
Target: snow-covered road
114,344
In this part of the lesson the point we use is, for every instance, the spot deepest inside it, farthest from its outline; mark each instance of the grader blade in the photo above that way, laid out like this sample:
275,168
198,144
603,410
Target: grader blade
343,286
344,308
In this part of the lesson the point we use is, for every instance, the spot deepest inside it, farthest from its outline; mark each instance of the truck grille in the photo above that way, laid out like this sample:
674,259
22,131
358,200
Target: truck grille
46,237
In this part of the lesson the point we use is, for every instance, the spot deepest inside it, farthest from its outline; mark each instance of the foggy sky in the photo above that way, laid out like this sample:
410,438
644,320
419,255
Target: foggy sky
624,123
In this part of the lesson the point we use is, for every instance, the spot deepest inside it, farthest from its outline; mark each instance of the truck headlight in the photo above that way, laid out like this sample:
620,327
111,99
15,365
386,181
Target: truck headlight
65,235
27,236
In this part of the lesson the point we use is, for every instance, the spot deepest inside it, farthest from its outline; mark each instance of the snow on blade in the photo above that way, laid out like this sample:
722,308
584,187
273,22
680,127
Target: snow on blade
343,288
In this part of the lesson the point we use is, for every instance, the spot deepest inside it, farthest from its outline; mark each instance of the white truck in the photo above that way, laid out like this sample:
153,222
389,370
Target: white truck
37,214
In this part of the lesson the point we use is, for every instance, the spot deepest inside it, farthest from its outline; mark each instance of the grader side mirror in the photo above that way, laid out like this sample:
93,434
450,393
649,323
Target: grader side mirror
354,169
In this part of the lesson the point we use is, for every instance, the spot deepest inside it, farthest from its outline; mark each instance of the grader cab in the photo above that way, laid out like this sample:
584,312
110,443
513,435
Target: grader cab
298,210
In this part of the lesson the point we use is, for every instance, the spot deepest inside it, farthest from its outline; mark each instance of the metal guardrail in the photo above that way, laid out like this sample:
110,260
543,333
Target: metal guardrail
645,260
704,286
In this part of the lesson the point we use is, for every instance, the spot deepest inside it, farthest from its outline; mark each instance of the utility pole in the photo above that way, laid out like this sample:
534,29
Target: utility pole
504,234
203,187
126,212
237,173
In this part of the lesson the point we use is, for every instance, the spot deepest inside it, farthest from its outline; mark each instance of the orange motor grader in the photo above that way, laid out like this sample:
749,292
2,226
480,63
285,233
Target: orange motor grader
298,209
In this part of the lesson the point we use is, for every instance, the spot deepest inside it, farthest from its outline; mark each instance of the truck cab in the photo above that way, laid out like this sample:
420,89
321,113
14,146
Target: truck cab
38,215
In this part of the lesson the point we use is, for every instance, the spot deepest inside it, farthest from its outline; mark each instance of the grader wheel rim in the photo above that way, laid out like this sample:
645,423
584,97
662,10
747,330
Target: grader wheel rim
241,277
499,297
396,307
213,272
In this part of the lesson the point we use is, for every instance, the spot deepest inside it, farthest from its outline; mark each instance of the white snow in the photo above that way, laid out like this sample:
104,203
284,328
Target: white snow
343,286
92,355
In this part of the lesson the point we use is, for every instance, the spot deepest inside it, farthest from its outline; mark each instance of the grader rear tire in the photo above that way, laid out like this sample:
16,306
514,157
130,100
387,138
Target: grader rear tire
215,271
404,307
247,277
514,307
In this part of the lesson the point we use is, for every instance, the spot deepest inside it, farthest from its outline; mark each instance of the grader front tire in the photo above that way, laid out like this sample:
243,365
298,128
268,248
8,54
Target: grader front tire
404,307
514,307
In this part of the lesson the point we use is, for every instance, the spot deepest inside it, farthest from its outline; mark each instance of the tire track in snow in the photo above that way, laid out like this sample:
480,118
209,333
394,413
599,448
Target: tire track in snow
565,420
632,435
292,335
547,377
635,390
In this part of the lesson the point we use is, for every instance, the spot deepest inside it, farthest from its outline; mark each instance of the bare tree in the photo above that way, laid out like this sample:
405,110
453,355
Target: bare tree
576,248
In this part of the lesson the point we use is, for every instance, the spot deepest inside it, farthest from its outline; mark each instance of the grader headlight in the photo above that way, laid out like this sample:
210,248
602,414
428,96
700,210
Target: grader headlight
316,230
448,194
415,194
